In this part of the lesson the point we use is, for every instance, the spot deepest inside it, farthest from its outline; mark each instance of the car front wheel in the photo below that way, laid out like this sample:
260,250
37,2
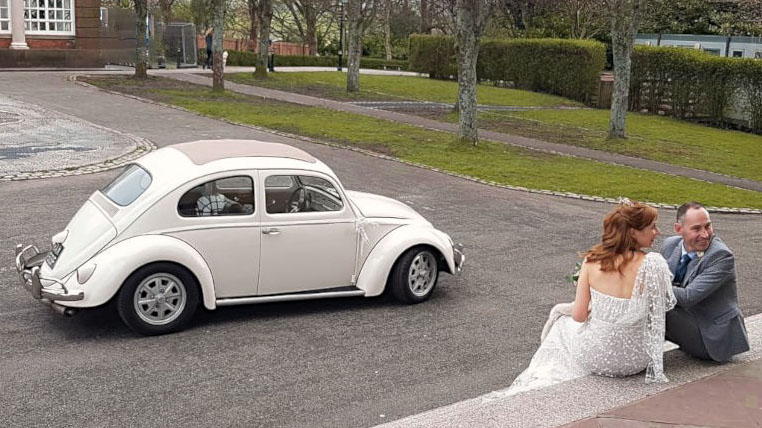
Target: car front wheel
157,299
415,275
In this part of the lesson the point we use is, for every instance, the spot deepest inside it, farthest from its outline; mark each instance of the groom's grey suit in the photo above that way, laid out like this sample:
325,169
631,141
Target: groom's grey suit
707,320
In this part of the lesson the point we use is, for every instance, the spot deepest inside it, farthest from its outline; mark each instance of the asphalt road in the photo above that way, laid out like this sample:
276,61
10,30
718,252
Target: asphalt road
340,363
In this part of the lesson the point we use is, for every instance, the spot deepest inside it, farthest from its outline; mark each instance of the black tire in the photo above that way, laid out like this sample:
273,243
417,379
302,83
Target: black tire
413,263
177,289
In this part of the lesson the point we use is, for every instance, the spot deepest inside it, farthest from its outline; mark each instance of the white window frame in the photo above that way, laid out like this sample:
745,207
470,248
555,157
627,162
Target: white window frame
7,19
28,11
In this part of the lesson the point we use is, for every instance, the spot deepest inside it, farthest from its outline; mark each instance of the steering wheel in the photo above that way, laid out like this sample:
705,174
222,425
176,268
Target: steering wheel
299,201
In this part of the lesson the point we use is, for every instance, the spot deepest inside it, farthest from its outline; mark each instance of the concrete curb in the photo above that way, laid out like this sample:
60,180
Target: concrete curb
724,210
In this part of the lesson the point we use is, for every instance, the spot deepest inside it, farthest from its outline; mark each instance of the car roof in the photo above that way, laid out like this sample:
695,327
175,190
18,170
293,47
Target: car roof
205,151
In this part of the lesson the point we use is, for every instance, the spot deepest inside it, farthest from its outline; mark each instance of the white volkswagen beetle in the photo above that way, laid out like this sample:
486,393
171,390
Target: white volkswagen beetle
232,222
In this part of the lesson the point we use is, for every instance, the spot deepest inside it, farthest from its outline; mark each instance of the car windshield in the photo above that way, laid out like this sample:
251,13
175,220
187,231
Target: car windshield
128,186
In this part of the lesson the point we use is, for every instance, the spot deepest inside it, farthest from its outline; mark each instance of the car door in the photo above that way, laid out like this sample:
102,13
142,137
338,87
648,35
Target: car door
309,237
219,218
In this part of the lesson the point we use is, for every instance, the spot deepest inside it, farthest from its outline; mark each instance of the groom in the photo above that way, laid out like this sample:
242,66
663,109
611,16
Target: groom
707,322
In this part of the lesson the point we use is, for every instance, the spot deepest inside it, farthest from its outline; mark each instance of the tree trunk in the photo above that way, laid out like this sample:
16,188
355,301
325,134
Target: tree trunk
218,79
467,41
425,25
166,10
253,29
624,25
310,24
388,29
354,52
265,18
141,66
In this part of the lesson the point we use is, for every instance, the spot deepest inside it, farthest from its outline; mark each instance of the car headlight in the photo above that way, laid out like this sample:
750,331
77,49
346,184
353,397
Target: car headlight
85,272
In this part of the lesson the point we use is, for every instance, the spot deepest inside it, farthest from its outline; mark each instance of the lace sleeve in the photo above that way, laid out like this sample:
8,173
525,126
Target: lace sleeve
656,284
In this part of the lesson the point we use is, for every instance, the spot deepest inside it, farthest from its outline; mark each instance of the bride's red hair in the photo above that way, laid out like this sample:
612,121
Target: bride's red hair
617,245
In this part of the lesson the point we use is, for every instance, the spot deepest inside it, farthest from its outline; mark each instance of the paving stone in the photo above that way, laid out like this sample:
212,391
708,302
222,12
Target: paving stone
44,141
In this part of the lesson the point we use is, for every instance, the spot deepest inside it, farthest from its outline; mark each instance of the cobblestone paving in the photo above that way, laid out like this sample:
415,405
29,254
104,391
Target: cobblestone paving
39,143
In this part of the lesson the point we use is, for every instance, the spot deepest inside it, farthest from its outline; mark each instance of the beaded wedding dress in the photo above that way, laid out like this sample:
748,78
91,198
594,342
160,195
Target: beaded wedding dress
621,337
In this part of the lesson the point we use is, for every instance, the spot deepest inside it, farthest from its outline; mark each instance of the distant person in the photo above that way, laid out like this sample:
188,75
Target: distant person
707,321
209,40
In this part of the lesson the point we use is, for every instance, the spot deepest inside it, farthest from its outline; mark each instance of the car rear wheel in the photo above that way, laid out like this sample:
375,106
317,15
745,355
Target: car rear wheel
158,299
415,275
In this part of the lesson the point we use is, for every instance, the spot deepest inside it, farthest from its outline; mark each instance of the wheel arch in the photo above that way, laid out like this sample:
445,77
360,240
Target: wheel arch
375,271
126,257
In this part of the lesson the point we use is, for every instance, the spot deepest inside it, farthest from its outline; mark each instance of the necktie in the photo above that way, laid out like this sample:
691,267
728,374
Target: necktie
681,269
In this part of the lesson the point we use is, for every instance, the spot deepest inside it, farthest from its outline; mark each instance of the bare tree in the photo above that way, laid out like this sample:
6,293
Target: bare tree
388,29
165,6
141,12
264,20
585,18
360,15
251,6
625,20
305,15
470,20
218,78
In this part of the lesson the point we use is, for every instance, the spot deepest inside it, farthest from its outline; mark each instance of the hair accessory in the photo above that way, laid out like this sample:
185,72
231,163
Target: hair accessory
625,202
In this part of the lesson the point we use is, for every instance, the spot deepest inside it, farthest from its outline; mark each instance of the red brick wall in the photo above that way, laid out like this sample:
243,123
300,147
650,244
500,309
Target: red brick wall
5,43
50,43
87,16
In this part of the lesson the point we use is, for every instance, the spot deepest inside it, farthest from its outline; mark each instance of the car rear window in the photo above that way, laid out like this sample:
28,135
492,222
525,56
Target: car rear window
128,186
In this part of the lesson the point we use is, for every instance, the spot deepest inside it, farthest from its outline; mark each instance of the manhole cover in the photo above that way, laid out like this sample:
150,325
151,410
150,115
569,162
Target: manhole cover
8,117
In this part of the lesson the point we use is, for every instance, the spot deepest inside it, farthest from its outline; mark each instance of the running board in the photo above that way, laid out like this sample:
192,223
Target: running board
290,297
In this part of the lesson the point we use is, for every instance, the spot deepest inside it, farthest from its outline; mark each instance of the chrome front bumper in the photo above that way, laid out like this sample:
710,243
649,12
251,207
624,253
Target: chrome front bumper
459,256
28,262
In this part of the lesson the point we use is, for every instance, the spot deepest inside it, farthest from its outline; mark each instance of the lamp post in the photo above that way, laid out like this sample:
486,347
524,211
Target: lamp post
341,32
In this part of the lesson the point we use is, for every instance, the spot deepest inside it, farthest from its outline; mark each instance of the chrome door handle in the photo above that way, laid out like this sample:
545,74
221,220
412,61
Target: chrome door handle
271,231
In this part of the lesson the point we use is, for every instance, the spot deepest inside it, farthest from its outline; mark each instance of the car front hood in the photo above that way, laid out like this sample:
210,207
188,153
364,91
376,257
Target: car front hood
377,206
88,232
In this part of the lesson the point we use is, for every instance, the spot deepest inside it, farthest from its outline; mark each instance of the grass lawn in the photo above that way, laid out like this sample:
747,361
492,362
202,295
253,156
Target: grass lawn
651,137
331,84
489,161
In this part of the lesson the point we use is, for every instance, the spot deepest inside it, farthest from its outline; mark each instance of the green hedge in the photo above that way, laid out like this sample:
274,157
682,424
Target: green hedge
692,84
568,68
249,59
434,55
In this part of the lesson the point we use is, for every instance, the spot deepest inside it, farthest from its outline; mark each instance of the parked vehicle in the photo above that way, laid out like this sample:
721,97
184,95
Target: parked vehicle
232,222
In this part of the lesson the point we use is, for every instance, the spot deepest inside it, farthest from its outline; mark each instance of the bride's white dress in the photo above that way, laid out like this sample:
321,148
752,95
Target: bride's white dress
621,337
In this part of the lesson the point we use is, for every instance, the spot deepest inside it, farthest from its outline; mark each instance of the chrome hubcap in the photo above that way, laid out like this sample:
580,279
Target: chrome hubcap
160,299
422,273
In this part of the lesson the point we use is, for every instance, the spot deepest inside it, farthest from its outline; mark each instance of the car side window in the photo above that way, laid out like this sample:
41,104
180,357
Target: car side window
222,197
300,193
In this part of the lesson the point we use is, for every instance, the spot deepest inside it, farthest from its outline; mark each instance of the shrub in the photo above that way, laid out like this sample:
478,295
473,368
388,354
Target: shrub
568,68
434,55
691,84
249,59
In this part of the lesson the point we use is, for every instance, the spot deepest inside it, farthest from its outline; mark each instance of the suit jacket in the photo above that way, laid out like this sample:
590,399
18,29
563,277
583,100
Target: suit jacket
710,294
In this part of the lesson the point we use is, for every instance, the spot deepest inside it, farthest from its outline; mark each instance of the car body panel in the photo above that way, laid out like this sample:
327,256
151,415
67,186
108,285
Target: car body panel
381,258
113,268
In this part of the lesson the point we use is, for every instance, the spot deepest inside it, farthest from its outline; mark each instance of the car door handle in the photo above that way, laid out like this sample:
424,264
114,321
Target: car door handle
271,231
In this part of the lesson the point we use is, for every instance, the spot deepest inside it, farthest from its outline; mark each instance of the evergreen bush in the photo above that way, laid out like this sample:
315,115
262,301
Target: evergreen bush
568,68
249,59
688,83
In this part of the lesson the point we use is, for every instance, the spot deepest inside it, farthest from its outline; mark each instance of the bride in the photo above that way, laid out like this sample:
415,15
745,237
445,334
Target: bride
615,327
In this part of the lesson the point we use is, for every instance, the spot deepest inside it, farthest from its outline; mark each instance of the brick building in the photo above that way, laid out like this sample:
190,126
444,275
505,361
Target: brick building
51,33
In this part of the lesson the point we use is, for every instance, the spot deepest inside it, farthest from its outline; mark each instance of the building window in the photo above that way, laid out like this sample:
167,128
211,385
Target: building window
5,16
737,54
49,17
